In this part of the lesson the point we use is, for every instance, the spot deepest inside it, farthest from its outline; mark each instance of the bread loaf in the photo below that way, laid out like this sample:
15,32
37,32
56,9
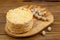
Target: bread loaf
20,20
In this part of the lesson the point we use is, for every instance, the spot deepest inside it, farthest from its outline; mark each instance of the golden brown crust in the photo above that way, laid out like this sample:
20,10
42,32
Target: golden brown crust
19,15
19,19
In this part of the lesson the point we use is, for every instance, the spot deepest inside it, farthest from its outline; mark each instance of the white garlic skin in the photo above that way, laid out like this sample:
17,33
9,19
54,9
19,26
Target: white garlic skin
49,28
39,17
36,15
35,9
44,18
43,32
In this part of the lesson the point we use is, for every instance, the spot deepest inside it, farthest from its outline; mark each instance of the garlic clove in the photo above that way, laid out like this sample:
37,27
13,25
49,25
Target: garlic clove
39,17
44,18
35,9
41,13
49,28
43,32
36,15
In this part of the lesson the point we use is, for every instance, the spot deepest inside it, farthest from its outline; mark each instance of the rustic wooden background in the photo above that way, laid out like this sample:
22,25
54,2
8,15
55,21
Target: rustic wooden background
54,7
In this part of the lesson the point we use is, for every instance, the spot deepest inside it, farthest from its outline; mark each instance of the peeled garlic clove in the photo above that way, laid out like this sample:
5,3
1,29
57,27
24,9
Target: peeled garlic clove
44,18
34,12
36,15
48,18
39,17
41,13
43,32
35,9
49,28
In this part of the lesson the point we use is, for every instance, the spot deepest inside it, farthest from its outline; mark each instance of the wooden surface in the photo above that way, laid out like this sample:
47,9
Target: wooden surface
38,26
54,7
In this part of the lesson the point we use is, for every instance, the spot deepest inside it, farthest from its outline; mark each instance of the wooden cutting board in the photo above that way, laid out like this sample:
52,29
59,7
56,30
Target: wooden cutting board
38,26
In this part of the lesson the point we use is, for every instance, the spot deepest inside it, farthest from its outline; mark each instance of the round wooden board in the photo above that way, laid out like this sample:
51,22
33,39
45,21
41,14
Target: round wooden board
37,27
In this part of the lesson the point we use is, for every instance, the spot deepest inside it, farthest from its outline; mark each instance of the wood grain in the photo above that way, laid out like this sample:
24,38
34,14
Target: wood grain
54,7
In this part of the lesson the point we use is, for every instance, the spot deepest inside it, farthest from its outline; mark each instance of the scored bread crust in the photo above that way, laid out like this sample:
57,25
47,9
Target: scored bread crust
19,15
20,20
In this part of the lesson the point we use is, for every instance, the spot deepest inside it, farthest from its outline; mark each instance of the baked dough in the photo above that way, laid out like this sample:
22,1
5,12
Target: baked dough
19,20
19,15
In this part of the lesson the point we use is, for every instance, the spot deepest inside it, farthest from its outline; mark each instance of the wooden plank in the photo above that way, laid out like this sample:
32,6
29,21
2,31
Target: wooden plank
39,3
53,7
2,17
36,37
55,14
37,27
55,28
5,7
2,28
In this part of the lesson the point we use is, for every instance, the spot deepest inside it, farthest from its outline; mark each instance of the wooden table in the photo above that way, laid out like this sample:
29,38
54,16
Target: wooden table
54,7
